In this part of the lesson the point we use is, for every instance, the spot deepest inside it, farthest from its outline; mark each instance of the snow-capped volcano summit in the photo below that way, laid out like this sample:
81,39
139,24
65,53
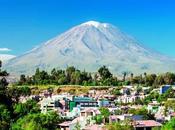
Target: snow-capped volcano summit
95,24
89,46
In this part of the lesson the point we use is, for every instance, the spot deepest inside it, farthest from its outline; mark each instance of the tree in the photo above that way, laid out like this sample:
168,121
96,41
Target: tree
22,109
104,73
131,77
141,111
47,121
4,98
15,92
150,79
98,119
4,117
3,85
105,113
2,73
169,78
169,125
159,80
69,72
22,79
169,104
77,126
124,76
0,63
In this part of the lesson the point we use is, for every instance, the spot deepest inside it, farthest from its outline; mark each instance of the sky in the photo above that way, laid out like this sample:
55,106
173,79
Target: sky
25,24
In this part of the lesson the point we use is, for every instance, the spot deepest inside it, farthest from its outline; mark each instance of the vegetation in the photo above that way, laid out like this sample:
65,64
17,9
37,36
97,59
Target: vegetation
16,115
103,77
169,125
125,125
105,113
143,112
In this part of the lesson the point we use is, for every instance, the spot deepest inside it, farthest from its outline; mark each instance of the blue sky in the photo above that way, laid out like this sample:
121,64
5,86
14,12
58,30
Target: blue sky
27,23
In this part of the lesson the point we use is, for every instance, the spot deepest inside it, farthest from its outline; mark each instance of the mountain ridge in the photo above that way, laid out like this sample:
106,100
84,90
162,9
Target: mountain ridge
89,46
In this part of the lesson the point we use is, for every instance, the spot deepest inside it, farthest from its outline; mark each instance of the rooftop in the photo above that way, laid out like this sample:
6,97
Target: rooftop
147,123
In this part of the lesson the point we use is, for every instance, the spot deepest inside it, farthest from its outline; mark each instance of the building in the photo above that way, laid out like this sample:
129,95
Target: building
89,112
48,104
153,107
70,125
82,102
164,88
146,124
128,98
117,118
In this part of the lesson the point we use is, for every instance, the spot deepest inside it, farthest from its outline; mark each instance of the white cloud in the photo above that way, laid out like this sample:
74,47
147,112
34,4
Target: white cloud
6,57
5,49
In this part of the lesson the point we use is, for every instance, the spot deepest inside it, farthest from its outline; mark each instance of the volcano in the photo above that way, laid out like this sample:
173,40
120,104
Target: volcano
89,46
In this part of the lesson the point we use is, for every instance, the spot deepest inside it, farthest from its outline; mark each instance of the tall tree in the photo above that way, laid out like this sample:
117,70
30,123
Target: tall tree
104,73
124,76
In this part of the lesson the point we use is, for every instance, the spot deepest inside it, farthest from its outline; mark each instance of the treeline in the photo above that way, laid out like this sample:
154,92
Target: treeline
73,76
2,72
70,76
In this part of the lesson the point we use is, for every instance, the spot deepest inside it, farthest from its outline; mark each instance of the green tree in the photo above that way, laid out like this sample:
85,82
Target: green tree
22,109
124,76
169,125
98,119
2,73
169,78
105,113
5,117
77,126
141,111
104,73
150,79
47,121
22,79
159,80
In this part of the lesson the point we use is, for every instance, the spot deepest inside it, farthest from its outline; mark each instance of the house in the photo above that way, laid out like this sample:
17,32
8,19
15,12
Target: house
106,103
67,125
153,107
164,88
117,118
70,125
145,124
82,102
127,98
72,114
48,104
53,102
87,112
125,90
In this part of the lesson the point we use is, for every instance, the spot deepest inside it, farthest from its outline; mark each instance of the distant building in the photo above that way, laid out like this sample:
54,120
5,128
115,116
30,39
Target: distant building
117,118
70,125
146,124
164,88
48,104
153,107
82,102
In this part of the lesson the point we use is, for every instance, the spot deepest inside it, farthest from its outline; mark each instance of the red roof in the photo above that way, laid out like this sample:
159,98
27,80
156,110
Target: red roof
66,123
173,114
146,123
